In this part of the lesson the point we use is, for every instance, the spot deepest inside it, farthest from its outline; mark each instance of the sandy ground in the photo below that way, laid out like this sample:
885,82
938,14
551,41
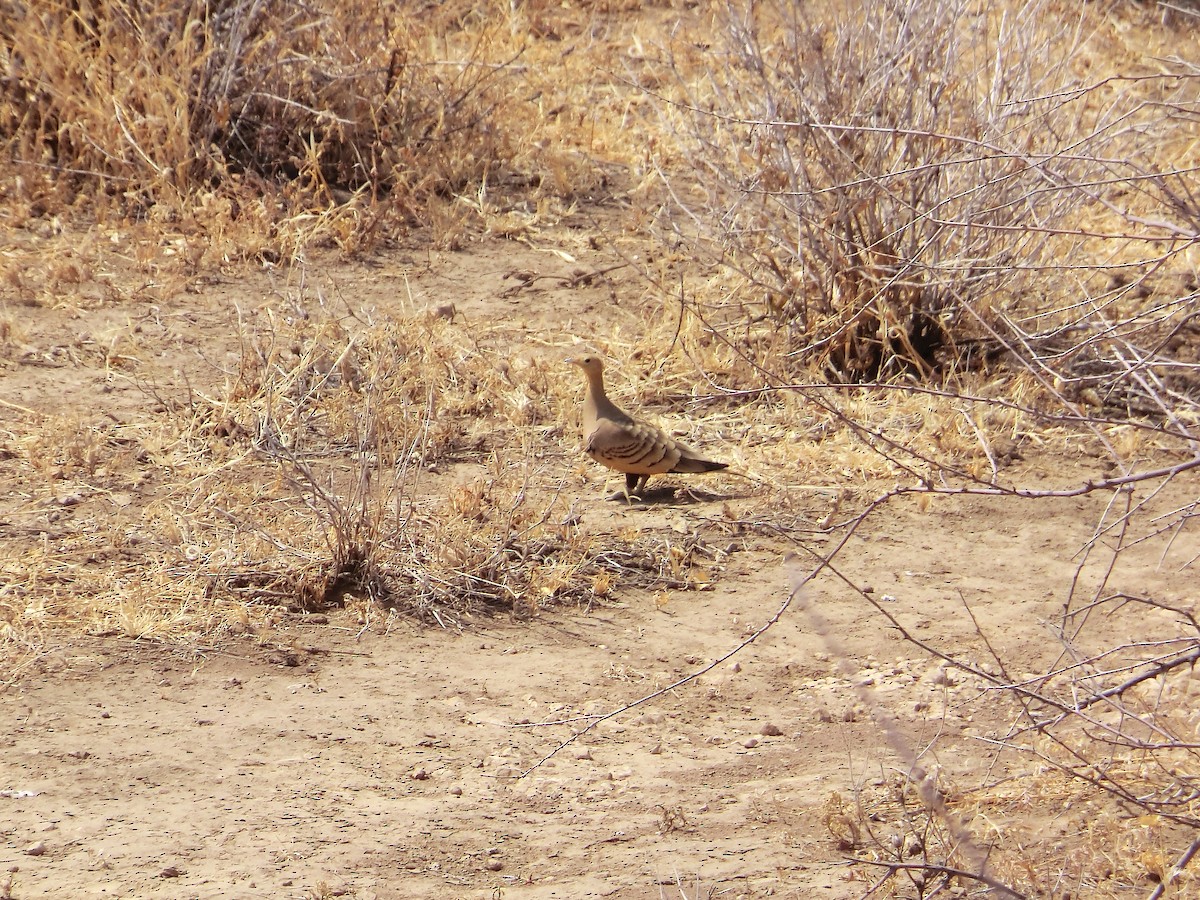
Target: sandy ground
389,761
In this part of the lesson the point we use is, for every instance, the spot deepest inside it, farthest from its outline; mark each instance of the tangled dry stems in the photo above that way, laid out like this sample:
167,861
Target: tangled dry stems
877,222
876,205
263,89
267,126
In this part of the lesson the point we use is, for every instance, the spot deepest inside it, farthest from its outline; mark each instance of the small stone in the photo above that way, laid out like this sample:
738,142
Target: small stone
583,753
649,718
36,849
623,773
942,676
419,775
770,730
824,715
456,791
493,865
735,667
170,872
750,743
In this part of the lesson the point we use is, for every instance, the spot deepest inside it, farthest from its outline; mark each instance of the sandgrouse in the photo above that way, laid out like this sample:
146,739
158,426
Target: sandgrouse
615,439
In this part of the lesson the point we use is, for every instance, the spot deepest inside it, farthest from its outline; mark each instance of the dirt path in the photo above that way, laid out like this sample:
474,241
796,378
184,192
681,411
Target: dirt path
383,762
386,766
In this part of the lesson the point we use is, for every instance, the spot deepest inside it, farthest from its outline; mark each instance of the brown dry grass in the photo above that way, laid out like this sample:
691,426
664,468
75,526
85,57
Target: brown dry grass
323,470
267,115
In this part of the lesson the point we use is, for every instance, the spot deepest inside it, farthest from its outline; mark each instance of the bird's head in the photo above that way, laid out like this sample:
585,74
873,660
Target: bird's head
593,365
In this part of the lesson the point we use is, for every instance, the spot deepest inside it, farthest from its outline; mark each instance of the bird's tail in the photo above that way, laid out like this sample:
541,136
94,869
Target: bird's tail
689,465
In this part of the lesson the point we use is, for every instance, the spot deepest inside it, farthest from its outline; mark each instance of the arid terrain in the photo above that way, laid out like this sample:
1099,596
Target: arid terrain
307,589
354,753
391,763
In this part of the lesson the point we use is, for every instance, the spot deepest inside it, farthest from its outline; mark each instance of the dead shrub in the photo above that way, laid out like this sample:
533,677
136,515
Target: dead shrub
154,106
909,189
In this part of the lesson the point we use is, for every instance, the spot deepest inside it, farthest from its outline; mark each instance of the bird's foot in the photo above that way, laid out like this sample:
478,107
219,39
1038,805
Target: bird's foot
627,496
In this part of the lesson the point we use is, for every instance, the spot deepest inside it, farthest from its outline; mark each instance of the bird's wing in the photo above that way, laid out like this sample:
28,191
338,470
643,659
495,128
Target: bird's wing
633,447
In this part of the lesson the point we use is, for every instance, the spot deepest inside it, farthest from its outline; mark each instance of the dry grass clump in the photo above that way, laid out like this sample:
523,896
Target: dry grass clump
1086,846
912,832
410,463
174,139
414,470
252,130
328,445
261,117
1045,835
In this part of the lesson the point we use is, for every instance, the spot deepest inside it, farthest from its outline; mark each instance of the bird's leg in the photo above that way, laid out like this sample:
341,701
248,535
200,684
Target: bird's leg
634,485
631,486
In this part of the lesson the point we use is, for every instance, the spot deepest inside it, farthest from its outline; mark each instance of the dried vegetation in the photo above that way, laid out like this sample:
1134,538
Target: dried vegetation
923,189
282,121
956,208
397,466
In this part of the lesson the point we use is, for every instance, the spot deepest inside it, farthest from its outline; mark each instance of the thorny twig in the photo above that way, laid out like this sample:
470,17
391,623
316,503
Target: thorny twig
947,872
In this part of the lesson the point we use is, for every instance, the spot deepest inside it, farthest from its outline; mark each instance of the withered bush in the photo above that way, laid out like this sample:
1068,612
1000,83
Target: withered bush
150,102
891,187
